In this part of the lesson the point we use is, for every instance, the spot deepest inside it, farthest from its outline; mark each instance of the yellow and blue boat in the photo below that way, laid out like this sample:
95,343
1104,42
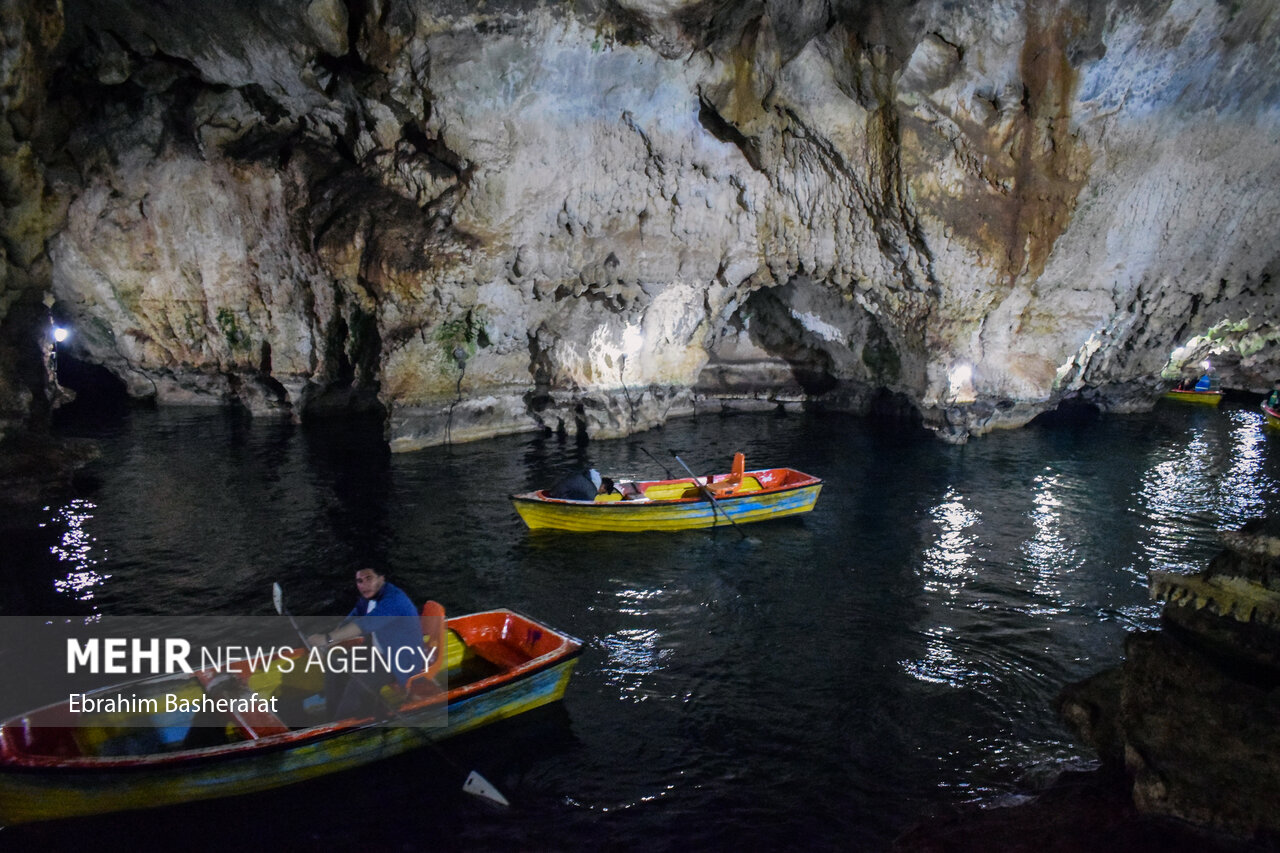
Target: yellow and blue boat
1204,398
739,497
57,764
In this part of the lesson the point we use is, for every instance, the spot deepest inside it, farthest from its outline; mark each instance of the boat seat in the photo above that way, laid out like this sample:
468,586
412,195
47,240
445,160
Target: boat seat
731,483
258,724
423,684
500,653
252,723
668,491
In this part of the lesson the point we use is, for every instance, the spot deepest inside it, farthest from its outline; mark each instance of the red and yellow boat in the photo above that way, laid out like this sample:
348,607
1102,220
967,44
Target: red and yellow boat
1273,416
57,764
688,503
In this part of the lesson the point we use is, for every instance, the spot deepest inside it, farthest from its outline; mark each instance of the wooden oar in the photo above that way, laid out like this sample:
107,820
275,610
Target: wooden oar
670,475
714,503
474,783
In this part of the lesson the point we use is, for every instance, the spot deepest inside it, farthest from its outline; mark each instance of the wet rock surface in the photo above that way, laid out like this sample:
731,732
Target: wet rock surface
1191,717
1185,730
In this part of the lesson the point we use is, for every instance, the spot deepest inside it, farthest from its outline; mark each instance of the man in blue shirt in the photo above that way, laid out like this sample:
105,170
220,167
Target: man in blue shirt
390,622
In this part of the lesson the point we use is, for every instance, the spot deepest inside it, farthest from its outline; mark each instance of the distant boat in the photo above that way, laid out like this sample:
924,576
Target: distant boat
55,763
740,497
1204,398
1273,416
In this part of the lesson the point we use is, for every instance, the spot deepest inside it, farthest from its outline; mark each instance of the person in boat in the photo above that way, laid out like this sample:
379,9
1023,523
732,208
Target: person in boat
625,488
1273,402
1186,384
579,486
386,617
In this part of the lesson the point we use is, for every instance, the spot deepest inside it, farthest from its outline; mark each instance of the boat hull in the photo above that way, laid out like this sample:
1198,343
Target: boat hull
51,790
691,513
1202,398
1273,416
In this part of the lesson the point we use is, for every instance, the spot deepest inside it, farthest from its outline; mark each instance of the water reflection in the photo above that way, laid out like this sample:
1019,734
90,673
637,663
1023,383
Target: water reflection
948,563
75,547
1049,555
1242,485
1215,481
1175,490
632,653
940,665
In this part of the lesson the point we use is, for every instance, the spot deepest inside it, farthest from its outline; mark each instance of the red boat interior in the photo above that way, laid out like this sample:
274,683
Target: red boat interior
737,482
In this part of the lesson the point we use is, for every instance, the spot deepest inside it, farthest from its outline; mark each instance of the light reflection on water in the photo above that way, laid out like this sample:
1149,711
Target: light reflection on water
632,654
75,547
1239,495
949,560
823,683
1215,479
941,664
1050,555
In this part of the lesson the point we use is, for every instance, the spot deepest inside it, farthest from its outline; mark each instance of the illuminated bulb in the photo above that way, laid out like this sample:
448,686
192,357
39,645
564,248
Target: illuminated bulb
59,334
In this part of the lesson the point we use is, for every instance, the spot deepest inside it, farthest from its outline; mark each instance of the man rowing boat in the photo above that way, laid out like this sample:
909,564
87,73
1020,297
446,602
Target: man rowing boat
384,614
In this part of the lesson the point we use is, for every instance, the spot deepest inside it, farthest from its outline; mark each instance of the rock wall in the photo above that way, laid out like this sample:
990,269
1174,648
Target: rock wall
1191,716
30,214
594,216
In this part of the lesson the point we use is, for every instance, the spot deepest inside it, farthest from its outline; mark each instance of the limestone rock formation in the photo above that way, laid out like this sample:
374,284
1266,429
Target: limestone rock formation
29,214
1193,714
594,216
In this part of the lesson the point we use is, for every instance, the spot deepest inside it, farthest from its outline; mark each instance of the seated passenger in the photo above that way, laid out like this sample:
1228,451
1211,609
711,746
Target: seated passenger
577,487
629,490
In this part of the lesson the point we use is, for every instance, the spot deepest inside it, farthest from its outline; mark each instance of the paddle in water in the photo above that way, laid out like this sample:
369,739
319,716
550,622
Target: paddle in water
474,784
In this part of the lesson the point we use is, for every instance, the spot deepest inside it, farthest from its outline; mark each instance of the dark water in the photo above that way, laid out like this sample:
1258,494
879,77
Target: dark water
821,685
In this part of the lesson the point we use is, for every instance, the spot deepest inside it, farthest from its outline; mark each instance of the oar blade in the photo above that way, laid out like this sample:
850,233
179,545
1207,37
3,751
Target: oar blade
478,786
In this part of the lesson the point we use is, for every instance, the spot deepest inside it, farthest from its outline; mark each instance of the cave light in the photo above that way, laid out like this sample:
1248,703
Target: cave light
60,334
960,379
632,340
